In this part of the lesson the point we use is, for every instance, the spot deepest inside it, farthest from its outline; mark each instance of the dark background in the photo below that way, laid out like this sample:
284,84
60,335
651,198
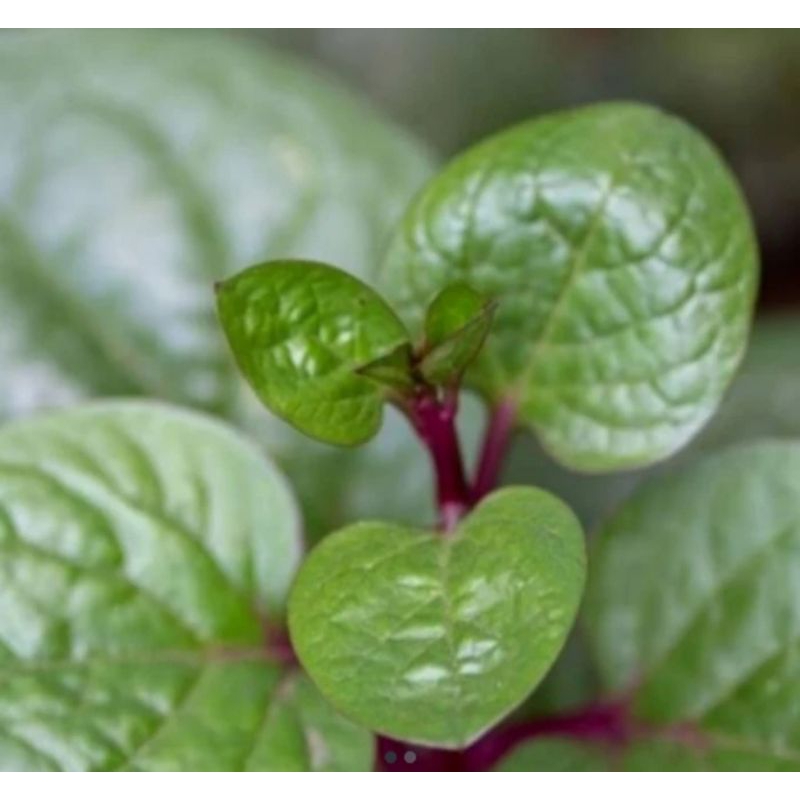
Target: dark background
451,87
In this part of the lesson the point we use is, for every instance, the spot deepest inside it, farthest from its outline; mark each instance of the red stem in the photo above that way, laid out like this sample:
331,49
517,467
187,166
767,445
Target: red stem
434,420
493,450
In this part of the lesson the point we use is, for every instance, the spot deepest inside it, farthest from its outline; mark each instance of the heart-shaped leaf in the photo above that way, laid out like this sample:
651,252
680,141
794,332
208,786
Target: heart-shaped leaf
694,606
143,553
622,258
300,332
432,638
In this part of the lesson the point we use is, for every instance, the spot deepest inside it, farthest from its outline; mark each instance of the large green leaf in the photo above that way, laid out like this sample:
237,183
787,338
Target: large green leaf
300,332
136,169
621,255
695,607
144,553
430,637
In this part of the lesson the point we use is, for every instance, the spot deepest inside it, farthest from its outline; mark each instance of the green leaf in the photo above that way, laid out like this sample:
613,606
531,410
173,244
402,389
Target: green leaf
432,638
623,262
142,552
300,332
765,395
394,370
694,604
139,167
456,326
452,310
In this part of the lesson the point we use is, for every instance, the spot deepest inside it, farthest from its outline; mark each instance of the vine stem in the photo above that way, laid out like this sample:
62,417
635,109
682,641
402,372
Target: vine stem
494,448
434,421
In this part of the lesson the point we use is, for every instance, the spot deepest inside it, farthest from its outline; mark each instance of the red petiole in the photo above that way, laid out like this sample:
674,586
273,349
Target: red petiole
433,418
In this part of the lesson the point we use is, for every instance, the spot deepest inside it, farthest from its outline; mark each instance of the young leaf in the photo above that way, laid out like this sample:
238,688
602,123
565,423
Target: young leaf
694,604
433,638
142,549
300,332
394,370
451,310
623,261
456,326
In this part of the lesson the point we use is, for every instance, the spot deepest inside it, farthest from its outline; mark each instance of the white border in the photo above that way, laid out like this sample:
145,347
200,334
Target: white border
408,13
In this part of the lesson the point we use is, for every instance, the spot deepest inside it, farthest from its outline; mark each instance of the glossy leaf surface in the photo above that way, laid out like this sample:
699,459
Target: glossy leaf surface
621,255
695,602
142,552
300,332
433,638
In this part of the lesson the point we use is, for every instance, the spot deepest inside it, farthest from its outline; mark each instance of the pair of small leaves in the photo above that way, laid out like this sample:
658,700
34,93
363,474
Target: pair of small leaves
694,611
142,550
457,323
433,638
322,349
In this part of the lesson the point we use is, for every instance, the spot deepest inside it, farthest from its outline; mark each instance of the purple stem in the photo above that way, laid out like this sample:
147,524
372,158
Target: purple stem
495,444
434,420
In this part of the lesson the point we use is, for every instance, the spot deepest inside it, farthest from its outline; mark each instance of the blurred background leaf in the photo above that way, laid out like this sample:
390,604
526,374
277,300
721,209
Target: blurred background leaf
135,169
